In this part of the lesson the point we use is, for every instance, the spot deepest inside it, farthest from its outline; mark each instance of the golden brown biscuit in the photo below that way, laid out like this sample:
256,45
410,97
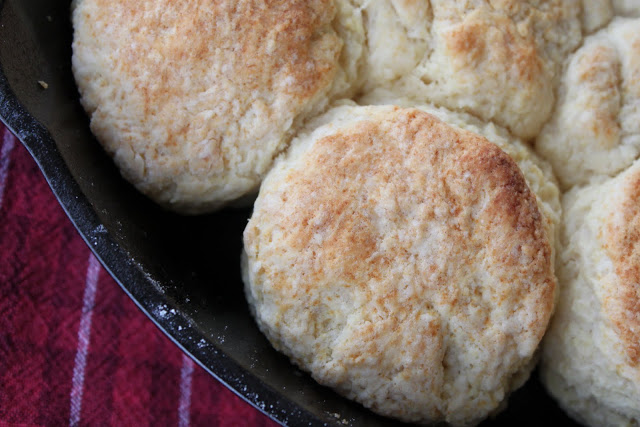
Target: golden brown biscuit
195,99
591,356
403,262
595,129
497,60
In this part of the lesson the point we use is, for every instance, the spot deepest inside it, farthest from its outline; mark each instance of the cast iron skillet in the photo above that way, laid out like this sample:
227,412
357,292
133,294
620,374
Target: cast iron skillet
183,272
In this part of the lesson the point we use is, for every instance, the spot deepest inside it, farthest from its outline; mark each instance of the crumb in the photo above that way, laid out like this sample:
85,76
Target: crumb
49,18
44,84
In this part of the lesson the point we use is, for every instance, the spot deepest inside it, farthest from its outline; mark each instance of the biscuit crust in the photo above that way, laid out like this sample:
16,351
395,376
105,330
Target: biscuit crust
497,60
622,245
195,99
591,353
595,130
403,262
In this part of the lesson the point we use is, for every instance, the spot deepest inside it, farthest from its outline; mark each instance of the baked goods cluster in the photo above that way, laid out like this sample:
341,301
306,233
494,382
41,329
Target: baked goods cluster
410,243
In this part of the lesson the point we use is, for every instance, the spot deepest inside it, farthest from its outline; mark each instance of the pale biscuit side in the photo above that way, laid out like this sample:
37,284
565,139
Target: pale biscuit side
595,130
598,13
590,354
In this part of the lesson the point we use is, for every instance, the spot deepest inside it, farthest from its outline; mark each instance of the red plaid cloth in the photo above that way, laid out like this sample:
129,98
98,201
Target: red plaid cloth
74,349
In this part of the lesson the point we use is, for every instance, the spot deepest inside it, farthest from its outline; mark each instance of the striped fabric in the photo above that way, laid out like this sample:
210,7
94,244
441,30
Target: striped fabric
74,350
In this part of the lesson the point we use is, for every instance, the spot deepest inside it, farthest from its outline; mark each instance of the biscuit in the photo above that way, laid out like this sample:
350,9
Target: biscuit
591,355
597,13
629,8
595,130
403,262
195,99
497,60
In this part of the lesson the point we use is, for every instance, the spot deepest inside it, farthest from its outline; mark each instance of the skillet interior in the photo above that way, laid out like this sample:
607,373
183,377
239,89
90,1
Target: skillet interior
183,272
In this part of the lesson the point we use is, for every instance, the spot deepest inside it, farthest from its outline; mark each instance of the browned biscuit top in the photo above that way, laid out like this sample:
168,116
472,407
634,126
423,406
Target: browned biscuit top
406,255
263,47
195,99
437,174
622,244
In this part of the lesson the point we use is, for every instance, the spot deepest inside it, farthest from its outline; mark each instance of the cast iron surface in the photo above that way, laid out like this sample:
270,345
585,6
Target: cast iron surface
183,272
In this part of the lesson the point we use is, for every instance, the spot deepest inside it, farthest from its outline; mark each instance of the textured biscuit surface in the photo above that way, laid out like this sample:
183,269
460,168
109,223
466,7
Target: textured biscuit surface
403,262
628,8
498,60
595,130
597,13
195,99
591,355
537,172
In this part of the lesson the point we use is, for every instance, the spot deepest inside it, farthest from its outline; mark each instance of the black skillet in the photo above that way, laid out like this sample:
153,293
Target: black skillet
183,272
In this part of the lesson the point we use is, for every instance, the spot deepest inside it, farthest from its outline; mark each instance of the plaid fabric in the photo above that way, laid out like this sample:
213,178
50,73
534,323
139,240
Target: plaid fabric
74,349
